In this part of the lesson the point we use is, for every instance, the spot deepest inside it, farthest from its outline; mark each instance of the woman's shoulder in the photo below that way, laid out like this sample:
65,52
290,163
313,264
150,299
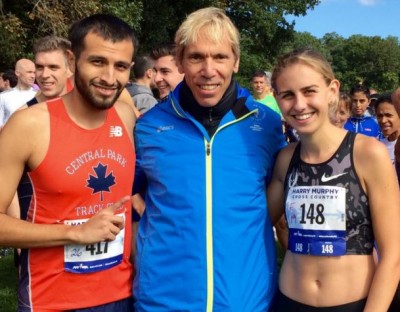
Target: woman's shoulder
284,157
369,149
371,160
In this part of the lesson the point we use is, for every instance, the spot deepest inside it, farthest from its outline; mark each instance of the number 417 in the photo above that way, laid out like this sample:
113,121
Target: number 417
96,249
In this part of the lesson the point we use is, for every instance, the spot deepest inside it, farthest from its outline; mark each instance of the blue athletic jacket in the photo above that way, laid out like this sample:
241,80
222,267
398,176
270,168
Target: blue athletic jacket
205,241
366,125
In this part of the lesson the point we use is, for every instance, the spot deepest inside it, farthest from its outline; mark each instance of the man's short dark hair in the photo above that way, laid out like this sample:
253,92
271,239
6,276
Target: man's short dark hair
142,64
162,50
259,73
12,78
106,26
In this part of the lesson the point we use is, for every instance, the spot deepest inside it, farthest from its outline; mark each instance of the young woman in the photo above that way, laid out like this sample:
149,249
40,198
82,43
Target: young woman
342,112
339,193
361,121
389,122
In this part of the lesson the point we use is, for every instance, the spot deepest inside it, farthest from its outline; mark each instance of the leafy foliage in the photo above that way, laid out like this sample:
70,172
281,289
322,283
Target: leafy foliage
262,23
129,11
161,19
13,41
373,61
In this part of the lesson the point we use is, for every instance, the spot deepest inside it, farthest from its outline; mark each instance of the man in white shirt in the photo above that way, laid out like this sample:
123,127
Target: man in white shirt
13,99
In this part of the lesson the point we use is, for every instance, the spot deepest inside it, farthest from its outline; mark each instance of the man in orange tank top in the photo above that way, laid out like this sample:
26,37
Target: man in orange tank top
78,149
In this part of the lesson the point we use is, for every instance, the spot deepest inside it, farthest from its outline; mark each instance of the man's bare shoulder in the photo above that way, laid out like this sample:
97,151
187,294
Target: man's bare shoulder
125,112
30,119
35,110
25,136
126,98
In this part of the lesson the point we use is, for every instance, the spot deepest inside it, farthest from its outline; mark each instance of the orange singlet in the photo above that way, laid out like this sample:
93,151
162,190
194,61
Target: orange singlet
70,84
83,172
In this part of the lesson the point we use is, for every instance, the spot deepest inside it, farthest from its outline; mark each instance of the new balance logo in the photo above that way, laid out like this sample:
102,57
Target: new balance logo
115,131
324,178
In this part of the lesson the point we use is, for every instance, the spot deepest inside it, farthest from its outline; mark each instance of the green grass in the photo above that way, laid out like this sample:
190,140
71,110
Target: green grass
8,284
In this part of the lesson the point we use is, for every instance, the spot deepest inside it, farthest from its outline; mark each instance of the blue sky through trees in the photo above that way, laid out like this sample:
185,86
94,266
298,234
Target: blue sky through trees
352,17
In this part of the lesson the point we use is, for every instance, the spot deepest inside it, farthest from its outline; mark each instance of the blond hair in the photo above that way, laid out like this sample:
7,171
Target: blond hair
216,25
308,57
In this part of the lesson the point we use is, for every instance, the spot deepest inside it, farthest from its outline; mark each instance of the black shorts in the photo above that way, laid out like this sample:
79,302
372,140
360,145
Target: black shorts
124,305
395,305
285,304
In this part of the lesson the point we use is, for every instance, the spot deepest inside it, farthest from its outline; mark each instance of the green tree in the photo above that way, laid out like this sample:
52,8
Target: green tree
264,28
21,22
13,40
373,61
263,24
335,45
161,19
306,40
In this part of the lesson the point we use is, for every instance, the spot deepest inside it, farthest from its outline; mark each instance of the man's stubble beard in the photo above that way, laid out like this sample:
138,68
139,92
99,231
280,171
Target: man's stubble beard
94,101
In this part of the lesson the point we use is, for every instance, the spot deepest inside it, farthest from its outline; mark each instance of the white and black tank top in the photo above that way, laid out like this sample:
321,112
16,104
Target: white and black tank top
326,208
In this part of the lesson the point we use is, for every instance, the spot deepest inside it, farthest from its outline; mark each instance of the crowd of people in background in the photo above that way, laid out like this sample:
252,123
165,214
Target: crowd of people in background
156,182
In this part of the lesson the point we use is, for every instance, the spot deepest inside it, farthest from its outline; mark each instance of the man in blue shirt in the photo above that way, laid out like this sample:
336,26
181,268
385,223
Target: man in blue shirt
205,154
